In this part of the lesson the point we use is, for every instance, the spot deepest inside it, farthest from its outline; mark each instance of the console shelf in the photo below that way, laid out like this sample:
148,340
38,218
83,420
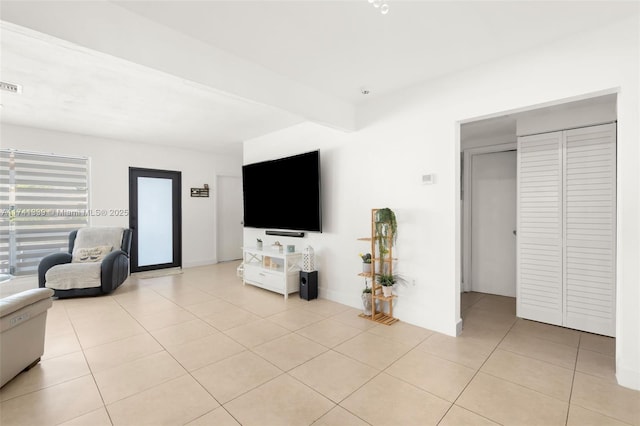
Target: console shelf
272,270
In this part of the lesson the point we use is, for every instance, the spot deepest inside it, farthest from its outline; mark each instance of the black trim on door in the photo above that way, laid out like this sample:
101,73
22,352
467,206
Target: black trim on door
176,206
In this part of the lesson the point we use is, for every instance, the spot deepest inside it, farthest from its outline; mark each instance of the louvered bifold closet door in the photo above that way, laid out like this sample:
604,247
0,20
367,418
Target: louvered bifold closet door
590,228
539,274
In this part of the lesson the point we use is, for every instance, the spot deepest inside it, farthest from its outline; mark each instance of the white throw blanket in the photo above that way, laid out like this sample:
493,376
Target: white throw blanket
84,274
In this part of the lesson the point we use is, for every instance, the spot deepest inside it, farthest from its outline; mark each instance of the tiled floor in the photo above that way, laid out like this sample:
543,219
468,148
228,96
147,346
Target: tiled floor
198,348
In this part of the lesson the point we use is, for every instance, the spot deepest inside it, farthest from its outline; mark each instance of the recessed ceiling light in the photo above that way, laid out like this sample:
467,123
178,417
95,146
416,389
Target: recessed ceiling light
380,4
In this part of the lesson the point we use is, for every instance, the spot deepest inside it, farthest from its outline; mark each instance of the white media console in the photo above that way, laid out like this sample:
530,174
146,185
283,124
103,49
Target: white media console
272,270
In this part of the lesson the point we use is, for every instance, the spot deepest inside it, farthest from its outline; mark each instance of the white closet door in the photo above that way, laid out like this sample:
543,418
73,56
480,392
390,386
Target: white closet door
590,228
539,274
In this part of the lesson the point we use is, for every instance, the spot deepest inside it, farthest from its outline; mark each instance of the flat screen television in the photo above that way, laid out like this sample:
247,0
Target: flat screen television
283,194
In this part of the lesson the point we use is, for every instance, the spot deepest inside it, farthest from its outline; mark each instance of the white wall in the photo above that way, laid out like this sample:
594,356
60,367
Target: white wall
417,131
553,119
110,161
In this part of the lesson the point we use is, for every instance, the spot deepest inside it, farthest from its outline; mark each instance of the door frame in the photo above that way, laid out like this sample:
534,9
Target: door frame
219,224
176,177
468,155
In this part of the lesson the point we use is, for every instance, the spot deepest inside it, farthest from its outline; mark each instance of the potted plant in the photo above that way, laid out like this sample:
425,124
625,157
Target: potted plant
386,281
366,262
366,299
386,231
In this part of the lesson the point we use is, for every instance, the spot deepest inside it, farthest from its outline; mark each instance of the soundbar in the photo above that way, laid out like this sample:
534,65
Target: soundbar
285,233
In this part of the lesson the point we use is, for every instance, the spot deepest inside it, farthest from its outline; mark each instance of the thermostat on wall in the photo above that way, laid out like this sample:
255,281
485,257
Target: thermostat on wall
429,179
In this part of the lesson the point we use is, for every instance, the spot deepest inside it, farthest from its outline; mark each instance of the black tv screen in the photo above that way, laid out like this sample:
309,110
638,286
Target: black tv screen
283,193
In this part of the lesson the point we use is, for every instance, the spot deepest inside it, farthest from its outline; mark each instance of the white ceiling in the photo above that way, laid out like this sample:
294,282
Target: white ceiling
317,48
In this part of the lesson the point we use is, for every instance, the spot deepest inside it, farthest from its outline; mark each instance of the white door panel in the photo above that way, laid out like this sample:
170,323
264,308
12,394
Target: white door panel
567,229
493,220
230,226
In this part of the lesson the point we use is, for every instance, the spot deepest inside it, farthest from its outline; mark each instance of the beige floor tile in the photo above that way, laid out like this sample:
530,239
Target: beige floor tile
490,335
134,295
556,334
468,299
94,333
187,296
338,416
501,321
166,318
211,306
219,316
178,401
495,303
324,307
121,351
507,403
544,350
294,301
463,350
233,376
217,417
155,306
597,364
128,379
376,351
265,307
442,378
98,417
334,375
549,379
45,374
52,405
231,318
402,332
60,344
596,343
458,416
579,416
604,397
281,401
289,351
58,324
199,353
352,318
329,332
182,333
386,400
90,308
295,319
256,333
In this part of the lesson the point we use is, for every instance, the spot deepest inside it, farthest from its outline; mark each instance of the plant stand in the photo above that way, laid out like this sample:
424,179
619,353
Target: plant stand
380,263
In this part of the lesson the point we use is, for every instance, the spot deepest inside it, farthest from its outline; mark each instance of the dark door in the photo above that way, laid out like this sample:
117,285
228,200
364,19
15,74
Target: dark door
155,218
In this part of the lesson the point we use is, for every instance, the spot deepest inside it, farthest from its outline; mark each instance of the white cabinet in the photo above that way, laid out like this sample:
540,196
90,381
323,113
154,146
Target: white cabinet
272,270
567,228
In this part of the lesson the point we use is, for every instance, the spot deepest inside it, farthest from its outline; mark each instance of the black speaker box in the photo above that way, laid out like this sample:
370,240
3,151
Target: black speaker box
308,285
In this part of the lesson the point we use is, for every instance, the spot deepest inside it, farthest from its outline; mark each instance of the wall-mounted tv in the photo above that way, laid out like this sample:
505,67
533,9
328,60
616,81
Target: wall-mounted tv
284,193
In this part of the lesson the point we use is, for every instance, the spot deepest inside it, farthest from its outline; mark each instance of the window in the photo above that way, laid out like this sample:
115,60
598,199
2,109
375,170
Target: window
43,198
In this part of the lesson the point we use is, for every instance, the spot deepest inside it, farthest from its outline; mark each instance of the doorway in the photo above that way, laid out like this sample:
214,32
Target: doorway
488,201
155,208
493,223
230,213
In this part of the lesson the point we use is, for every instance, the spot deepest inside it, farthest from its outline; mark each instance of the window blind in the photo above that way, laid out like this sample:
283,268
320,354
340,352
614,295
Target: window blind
44,197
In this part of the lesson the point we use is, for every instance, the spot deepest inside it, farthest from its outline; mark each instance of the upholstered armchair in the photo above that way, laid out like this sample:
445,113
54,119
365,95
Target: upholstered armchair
97,263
